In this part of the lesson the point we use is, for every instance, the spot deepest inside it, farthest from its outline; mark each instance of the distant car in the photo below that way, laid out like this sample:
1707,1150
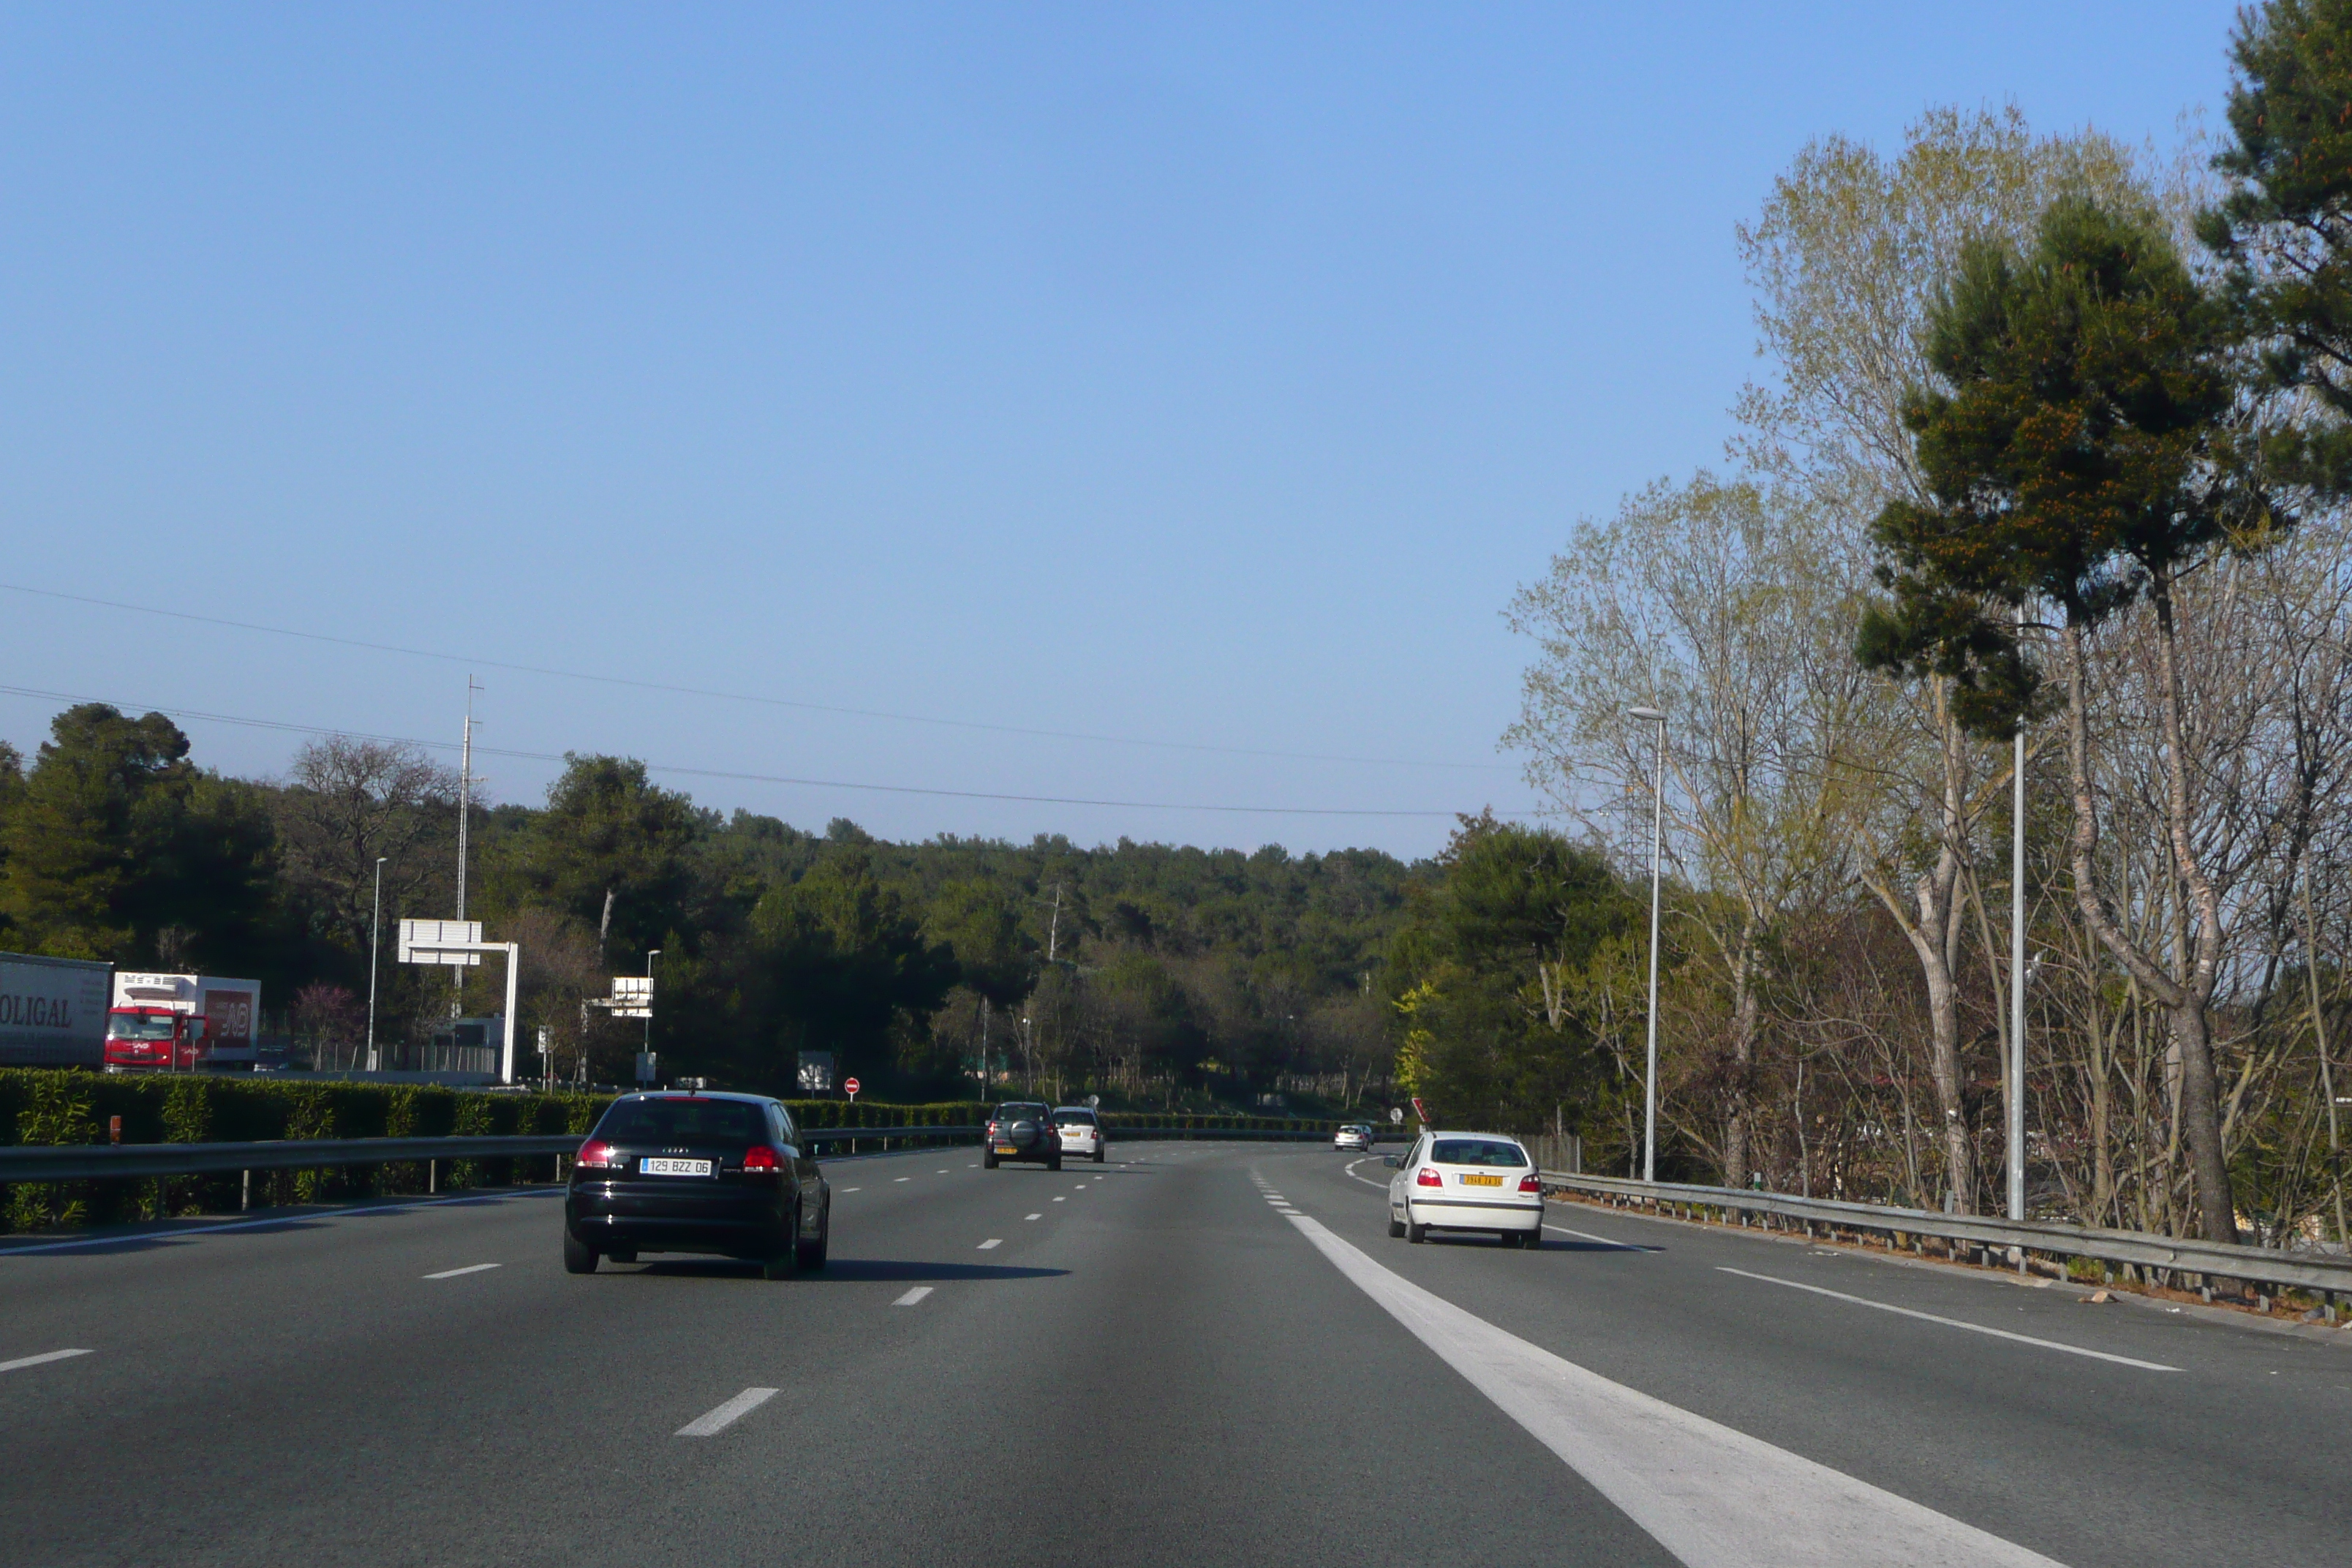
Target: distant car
723,1173
1467,1181
1353,1137
1022,1130
1082,1132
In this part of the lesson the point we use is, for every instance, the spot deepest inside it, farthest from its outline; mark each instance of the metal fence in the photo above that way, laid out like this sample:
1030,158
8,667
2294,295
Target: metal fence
2161,1257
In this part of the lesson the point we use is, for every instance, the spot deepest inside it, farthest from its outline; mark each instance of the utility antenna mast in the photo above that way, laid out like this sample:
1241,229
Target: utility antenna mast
464,792
464,819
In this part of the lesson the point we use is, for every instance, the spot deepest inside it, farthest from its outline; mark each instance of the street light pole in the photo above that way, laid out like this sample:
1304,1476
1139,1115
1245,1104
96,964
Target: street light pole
650,956
2019,978
375,940
1657,852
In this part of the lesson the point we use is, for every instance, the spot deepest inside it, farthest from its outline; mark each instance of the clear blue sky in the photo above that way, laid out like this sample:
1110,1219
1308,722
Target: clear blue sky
1198,375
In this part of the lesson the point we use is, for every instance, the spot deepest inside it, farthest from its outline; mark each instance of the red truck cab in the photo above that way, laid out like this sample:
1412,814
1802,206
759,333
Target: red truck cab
153,1038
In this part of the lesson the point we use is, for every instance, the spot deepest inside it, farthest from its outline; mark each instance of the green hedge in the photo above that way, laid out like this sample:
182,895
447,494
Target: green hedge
66,1107
52,1107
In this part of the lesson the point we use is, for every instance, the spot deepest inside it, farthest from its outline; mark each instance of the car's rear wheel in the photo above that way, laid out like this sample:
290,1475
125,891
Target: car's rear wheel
579,1258
1098,1156
988,1161
812,1253
1416,1234
784,1261
1054,1164
1396,1225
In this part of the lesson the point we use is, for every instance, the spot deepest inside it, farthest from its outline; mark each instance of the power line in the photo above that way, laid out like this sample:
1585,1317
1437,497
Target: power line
472,662
288,727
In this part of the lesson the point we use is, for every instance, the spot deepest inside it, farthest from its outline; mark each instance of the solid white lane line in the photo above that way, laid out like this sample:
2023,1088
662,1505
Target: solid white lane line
42,1360
1712,1497
1033,1216
913,1296
1954,1322
992,1241
470,1269
713,1422
1604,1240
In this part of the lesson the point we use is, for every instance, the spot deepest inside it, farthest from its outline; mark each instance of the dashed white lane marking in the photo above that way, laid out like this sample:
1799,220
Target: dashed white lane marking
902,1178
470,1269
940,1171
1604,1240
992,1241
852,1189
1714,1497
713,1422
913,1296
1061,1200
1033,1216
1954,1322
41,1360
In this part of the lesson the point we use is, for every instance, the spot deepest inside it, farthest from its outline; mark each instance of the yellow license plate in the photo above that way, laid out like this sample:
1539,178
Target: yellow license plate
1481,1181
1006,1149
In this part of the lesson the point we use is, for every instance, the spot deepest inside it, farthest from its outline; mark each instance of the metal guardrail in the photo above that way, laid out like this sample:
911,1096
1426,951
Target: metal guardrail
2213,1260
1131,1134
85,1162
76,1162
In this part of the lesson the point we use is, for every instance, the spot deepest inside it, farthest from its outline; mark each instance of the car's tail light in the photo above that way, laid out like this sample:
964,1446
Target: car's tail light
760,1157
1531,1183
598,1155
1426,1178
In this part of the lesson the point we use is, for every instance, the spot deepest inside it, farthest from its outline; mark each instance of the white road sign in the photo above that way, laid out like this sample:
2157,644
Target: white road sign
421,942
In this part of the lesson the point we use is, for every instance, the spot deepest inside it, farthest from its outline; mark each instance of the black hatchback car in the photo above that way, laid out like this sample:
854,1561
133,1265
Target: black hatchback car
723,1173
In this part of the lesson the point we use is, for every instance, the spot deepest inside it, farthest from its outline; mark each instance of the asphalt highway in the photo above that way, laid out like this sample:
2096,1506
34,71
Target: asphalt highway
1207,1355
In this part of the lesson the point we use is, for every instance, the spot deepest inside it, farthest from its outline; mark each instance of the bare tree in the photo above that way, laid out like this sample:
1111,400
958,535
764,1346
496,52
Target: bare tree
347,802
1735,615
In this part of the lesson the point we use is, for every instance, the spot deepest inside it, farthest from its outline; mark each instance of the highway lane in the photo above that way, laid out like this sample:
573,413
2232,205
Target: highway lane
2086,1460
1152,1370
1162,1366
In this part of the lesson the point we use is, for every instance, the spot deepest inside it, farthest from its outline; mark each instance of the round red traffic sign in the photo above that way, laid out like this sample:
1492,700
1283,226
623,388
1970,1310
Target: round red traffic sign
850,1084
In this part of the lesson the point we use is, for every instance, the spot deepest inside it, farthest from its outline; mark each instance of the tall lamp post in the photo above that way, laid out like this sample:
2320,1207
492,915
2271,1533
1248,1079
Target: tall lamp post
375,940
650,956
1658,848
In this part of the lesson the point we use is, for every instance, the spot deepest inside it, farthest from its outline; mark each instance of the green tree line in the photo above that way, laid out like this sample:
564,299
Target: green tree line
1156,974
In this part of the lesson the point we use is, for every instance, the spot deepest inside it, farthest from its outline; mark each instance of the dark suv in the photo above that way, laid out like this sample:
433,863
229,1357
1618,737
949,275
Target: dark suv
1023,1129
697,1173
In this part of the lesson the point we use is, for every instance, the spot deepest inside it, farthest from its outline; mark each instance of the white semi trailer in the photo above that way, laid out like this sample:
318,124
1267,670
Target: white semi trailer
52,1011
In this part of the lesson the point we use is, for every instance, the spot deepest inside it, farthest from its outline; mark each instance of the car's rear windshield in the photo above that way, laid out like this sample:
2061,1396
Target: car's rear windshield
1476,1152
1076,1118
684,1121
1016,1111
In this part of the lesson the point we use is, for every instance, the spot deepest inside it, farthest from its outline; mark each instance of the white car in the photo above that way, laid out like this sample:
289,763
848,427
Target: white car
1353,1137
1082,1133
1467,1181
